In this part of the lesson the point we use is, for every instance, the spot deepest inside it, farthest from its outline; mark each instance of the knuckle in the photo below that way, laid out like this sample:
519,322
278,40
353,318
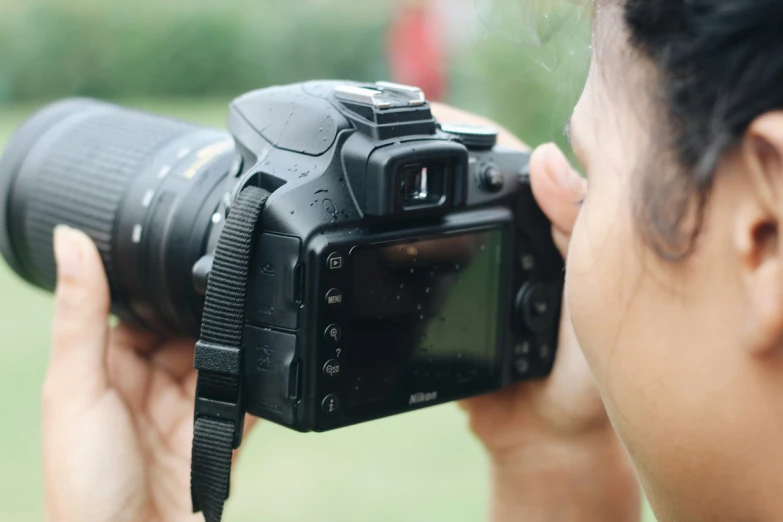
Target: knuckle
68,302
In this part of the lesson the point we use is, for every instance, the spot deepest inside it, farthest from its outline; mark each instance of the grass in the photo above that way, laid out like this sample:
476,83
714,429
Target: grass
420,466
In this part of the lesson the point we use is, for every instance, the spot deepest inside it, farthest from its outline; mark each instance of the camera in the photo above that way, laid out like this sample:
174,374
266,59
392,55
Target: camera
395,262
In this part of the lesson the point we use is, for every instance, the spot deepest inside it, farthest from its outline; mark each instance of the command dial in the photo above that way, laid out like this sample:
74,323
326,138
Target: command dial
474,137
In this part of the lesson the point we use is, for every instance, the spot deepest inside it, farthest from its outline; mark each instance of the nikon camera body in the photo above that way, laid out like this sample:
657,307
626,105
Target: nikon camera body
397,263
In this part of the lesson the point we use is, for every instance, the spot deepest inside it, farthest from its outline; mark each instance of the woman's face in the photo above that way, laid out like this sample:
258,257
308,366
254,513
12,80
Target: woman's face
666,340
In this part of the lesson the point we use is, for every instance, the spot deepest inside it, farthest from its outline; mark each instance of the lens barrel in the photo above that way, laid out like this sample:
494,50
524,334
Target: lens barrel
143,187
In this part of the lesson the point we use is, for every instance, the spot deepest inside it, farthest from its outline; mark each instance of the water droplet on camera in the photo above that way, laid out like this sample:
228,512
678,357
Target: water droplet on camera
418,306
427,290
421,316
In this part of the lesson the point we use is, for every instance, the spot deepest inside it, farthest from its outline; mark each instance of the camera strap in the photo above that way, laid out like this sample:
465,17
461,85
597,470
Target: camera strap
220,411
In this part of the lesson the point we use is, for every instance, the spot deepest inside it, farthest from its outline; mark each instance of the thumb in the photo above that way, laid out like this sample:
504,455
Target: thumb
77,368
557,187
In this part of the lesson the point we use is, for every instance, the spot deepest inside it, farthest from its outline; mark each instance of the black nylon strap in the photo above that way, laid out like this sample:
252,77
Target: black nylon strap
219,412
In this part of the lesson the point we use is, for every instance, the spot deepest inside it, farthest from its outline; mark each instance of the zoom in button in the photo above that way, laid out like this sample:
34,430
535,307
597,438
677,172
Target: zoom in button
333,333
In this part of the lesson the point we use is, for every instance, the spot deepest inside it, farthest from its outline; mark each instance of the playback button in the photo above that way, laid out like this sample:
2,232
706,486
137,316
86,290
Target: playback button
334,262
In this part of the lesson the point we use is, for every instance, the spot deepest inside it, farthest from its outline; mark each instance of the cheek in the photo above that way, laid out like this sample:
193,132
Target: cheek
601,271
662,344
617,324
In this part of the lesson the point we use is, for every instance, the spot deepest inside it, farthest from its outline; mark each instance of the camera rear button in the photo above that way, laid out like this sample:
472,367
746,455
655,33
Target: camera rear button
330,404
334,262
333,333
332,368
334,297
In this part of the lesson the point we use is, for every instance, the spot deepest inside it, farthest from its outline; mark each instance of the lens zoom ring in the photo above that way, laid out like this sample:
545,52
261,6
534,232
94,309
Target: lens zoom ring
83,178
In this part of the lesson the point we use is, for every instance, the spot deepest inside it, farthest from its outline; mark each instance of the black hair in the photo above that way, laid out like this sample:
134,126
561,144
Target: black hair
720,66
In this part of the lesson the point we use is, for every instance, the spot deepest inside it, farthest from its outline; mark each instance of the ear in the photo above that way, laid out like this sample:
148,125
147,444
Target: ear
758,225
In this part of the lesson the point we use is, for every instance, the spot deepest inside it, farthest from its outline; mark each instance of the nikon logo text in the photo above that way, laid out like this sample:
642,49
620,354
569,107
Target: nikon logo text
416,398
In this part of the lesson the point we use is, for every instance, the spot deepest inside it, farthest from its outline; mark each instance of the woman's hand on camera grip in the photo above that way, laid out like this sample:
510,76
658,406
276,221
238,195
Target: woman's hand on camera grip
552,438
554,454
117,406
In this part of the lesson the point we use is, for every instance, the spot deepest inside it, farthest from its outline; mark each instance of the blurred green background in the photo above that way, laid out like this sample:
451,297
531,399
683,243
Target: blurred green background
520,62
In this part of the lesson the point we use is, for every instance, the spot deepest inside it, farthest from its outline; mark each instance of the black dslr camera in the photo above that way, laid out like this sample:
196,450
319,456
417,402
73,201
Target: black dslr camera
358,258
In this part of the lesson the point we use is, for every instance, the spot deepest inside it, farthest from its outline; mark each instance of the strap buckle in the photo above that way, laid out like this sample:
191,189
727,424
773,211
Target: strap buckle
227,411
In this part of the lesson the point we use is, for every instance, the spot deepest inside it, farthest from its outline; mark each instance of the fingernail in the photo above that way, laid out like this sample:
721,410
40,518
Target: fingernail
558,167
67,252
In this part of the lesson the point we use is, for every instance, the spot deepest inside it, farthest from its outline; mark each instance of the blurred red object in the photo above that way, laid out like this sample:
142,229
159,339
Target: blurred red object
416,48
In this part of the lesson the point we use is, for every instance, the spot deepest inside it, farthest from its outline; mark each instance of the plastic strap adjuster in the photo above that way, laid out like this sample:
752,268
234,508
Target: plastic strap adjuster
216,358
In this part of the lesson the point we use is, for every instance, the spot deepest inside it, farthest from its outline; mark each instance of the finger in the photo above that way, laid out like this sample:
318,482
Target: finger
129,372
143,342
558,188
250,423
175,358
77,365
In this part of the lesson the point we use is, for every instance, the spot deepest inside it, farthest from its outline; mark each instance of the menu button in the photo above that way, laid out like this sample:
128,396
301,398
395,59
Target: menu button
334,297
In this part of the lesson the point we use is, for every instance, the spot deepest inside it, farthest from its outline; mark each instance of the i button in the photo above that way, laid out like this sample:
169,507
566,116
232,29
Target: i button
330,404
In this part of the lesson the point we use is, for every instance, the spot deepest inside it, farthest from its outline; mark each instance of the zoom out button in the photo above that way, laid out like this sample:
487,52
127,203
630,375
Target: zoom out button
332,368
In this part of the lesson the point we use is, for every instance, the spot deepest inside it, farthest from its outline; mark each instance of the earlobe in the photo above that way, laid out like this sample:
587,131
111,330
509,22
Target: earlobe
765,328
758,229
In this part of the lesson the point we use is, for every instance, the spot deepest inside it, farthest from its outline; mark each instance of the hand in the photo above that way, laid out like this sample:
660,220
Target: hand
567,406
117,406
553,451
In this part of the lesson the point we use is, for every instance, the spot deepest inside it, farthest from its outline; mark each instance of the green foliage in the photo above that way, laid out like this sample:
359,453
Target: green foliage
526,75
526,71
114,49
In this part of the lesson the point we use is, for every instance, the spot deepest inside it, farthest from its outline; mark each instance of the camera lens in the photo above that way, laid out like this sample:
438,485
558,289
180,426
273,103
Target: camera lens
141,186
422,184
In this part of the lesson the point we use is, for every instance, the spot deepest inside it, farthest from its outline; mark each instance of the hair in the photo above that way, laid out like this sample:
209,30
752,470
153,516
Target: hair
720,66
